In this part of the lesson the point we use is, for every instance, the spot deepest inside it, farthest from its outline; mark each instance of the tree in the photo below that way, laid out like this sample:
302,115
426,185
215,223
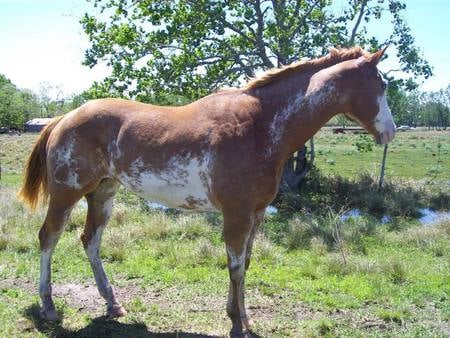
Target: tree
16,106
158,49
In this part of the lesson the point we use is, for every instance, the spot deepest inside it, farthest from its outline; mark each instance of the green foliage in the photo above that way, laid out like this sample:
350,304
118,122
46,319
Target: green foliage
16,106
190,48
431,109
20,105
364,143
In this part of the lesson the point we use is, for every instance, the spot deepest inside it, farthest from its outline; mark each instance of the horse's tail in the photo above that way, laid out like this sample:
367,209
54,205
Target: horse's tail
35,175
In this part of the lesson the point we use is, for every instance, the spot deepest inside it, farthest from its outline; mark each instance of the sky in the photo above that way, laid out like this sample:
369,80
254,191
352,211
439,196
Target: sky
42,41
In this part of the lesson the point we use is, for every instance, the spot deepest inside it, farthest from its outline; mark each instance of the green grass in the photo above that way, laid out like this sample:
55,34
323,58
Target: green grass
170,271
412,155
169,268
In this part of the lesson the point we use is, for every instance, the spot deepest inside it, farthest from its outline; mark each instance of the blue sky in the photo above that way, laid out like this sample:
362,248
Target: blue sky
42,41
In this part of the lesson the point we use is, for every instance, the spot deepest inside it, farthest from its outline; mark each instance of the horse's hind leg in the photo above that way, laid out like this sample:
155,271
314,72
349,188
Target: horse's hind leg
100,203
57,214
238,228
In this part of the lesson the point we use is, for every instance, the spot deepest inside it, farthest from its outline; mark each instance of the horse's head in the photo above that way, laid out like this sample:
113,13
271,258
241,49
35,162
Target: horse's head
367,102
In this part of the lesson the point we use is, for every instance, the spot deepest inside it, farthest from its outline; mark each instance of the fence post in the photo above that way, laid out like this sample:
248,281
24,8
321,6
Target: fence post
383,164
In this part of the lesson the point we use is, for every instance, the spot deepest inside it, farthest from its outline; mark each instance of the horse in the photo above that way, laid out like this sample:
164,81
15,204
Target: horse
222,153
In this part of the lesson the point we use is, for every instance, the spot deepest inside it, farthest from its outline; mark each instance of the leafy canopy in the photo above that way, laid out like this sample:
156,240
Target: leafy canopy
163,51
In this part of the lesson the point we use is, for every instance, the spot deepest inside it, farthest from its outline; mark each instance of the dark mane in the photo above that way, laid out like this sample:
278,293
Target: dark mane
333,57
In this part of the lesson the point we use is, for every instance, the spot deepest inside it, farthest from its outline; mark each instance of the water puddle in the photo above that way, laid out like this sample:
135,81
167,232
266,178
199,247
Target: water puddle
156,206
270,210
429,216
352,213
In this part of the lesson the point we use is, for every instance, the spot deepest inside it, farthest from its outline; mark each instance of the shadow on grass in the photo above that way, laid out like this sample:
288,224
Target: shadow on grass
99,327
318,193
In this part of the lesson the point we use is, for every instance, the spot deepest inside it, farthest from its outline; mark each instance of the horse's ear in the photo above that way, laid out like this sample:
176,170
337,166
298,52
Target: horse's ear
376,57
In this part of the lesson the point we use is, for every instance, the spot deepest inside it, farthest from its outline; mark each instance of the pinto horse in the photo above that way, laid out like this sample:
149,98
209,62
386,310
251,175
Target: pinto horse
224,153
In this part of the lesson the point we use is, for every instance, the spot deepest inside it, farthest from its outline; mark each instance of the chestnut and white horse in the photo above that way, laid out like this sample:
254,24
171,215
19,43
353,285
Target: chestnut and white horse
224,153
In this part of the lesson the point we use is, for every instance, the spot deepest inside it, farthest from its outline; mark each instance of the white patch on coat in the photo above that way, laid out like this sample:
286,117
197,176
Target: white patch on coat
307,102
65,160
319,95
184,182
280,120
115,154
384,122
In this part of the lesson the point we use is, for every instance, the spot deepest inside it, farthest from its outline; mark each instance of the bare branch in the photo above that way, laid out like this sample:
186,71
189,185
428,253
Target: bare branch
259,35
351,41
393,70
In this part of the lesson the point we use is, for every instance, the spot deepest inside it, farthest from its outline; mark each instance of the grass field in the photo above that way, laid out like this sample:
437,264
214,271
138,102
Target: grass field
169,268
412,155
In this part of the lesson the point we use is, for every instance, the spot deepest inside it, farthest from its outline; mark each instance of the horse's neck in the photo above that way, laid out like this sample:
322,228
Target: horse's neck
297,112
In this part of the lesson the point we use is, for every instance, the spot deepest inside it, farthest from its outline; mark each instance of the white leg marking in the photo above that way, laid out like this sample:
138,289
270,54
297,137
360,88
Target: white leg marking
93,253
44,281
45,288
237,276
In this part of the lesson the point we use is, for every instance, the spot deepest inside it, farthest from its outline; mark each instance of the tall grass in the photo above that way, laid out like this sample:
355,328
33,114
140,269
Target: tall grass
319,193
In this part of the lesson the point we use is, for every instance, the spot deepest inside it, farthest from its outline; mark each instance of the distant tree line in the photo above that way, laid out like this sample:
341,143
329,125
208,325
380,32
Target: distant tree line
17,106
415,108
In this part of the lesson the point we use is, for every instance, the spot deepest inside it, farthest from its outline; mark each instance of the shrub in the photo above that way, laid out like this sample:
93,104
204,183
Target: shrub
396,271
299,234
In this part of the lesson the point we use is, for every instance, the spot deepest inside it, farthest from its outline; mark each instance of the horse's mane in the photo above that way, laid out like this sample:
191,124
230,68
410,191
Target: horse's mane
335,56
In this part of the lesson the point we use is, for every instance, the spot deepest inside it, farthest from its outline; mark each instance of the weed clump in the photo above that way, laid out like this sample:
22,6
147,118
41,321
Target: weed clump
396,271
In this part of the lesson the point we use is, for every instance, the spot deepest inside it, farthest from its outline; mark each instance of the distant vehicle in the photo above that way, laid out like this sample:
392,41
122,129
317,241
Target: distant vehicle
36,125
403,128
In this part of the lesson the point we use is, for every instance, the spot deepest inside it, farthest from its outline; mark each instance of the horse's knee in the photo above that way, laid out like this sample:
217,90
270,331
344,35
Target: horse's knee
48,236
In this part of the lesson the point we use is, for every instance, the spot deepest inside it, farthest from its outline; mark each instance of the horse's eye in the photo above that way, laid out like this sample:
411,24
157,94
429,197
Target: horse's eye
383,85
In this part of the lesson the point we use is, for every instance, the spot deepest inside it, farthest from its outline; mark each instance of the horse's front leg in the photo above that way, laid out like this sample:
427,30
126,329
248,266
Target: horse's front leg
237,232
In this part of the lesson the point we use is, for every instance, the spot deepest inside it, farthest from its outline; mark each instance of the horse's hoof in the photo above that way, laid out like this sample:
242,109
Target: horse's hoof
49,315
116,311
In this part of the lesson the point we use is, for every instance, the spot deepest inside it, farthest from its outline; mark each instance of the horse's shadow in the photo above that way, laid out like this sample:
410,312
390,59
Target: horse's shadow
101,327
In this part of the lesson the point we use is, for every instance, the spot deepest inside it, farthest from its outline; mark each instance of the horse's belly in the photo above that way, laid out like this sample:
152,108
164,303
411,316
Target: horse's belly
182,184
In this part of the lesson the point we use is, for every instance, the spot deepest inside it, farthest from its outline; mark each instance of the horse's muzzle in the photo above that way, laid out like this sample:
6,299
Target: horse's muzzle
386,136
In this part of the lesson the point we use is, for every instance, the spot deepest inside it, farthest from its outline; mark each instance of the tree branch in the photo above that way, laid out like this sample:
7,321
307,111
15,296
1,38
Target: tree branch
302,21
259,35
351,41
238,31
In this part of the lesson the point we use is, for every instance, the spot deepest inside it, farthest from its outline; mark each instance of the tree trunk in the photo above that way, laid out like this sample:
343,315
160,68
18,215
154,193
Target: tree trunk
296,168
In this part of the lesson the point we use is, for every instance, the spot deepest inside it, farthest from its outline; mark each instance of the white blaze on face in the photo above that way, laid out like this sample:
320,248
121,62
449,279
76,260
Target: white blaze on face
384,122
